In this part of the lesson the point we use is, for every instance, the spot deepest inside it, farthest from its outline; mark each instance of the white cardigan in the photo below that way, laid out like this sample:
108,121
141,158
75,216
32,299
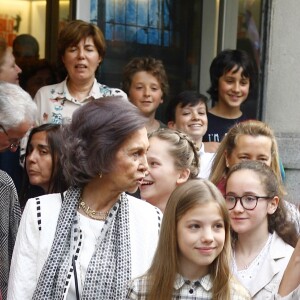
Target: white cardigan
33,245
266,283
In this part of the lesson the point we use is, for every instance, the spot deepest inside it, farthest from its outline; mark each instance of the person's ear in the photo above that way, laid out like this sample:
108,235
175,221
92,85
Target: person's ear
183,176
272,205
171,125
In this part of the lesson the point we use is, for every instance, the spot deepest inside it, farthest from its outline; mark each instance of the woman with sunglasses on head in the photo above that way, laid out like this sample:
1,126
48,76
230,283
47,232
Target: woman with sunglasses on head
263,238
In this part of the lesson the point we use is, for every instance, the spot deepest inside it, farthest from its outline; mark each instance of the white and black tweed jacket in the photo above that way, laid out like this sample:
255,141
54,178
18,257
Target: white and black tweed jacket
10,215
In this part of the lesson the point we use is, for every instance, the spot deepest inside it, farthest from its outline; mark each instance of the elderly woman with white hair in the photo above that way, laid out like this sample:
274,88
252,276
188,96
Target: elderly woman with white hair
17,115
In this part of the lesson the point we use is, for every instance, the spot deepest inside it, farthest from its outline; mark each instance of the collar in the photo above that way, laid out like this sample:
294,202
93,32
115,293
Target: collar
204,281
94,92
278,249
201,151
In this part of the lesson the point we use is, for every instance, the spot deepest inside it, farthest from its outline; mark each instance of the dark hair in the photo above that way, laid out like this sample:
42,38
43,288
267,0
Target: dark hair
148,64
226,61
184,99
97,131
57,182
26,40
35,67
278,221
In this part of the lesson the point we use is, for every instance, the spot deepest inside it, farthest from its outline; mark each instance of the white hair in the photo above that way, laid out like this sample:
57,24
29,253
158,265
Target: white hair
16,106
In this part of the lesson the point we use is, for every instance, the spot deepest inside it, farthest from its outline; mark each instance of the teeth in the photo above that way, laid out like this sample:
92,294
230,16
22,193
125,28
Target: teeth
147,183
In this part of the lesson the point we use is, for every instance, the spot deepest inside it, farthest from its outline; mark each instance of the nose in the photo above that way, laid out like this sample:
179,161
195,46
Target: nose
207,235
80,52
236,87
31,157
147,91
195,116
238,207
18,69
144,164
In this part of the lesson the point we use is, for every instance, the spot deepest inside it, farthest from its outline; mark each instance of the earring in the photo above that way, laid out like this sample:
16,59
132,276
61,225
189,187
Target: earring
100,174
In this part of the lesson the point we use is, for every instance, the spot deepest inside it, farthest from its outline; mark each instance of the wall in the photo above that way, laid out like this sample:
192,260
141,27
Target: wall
281,103
32,16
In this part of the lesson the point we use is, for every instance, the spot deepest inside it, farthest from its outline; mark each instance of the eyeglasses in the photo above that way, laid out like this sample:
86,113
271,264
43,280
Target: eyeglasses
14,143
249,202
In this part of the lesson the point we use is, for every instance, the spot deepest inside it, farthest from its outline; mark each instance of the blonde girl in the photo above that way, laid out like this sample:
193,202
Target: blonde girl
172,160
192,260
250,140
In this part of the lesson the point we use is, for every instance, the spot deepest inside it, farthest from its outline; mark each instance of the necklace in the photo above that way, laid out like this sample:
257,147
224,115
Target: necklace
96,215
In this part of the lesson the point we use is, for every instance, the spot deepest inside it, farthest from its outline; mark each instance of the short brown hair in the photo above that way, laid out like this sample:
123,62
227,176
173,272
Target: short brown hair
148,64
74,31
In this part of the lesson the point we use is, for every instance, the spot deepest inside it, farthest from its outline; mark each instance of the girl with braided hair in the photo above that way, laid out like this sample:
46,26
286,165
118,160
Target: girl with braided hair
263,237
173,159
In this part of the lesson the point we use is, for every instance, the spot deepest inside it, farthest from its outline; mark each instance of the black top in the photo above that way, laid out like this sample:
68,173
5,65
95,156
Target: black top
218,127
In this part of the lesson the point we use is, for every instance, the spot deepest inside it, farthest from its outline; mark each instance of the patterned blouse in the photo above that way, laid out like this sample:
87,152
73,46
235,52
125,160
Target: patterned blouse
186,289
56,105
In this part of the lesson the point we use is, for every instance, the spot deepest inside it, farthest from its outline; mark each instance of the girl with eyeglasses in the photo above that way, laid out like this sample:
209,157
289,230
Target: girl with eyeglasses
250,140
263,237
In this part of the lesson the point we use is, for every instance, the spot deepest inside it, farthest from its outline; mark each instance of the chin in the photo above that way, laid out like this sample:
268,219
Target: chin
132,190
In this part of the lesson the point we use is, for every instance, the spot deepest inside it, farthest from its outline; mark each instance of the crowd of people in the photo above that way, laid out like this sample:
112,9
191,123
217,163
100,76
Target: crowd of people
105,201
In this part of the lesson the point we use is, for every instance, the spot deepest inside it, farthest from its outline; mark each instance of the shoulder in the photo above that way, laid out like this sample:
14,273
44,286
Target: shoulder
5,179
237,291
45,206
293,214
7,189
279,248
108,91
137,288
141,207
41,213
49,200
53,89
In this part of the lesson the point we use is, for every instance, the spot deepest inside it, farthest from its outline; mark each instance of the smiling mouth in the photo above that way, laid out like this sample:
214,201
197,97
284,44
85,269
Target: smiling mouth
145,183
206,249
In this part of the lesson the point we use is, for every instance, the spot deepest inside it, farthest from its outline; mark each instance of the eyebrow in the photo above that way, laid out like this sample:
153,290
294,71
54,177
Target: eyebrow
201,221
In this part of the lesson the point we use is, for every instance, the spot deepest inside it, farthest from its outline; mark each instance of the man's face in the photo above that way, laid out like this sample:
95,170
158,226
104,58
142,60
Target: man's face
10,138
